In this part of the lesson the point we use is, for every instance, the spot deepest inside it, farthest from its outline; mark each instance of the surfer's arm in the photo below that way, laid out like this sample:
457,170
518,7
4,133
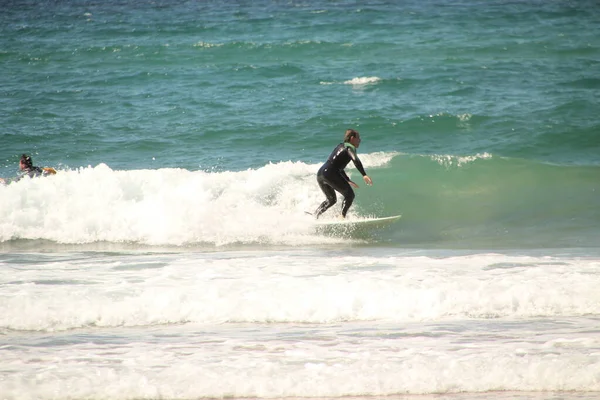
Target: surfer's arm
346,177
356,161
359,167
18,177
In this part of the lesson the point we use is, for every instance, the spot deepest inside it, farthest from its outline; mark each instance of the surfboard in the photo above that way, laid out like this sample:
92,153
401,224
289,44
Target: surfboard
352,225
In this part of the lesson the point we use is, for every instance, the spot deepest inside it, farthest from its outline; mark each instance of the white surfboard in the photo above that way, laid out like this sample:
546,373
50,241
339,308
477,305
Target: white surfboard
350,225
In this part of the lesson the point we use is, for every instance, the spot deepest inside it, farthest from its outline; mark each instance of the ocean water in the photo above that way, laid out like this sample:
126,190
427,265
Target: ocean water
171,256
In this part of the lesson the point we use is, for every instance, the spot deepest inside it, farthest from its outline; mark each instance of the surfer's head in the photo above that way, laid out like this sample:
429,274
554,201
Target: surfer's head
25,162
353,137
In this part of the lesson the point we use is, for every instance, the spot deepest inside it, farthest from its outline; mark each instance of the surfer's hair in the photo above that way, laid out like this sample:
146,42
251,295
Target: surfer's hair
26,160
350,133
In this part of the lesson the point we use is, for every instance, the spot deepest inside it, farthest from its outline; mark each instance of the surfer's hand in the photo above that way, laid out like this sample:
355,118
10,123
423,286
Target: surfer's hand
368,180
354,185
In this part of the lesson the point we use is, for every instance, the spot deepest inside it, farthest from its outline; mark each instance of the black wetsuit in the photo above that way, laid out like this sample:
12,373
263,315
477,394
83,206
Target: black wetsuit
331,177
31,172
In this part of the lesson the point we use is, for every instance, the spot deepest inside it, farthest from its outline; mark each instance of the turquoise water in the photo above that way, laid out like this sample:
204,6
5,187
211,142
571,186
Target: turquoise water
211,87
171,256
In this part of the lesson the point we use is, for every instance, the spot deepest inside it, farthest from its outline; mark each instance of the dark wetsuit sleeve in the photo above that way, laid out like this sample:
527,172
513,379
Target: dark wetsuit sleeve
346,177
356,161
31,172
18,178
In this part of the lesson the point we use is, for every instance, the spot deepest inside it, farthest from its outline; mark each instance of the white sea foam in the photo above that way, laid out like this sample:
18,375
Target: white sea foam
359,81
207,45
297,324
143,290
458,161
168,206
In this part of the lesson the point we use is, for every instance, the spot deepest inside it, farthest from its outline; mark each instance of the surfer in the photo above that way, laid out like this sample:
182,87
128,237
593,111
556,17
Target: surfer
332,177
28,169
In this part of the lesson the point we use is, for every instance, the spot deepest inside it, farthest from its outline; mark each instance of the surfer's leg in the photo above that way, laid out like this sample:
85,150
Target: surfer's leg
329,194
348,199
341,185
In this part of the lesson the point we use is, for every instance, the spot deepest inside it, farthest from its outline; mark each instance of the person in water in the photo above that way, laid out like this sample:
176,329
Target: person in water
332,177
28,169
